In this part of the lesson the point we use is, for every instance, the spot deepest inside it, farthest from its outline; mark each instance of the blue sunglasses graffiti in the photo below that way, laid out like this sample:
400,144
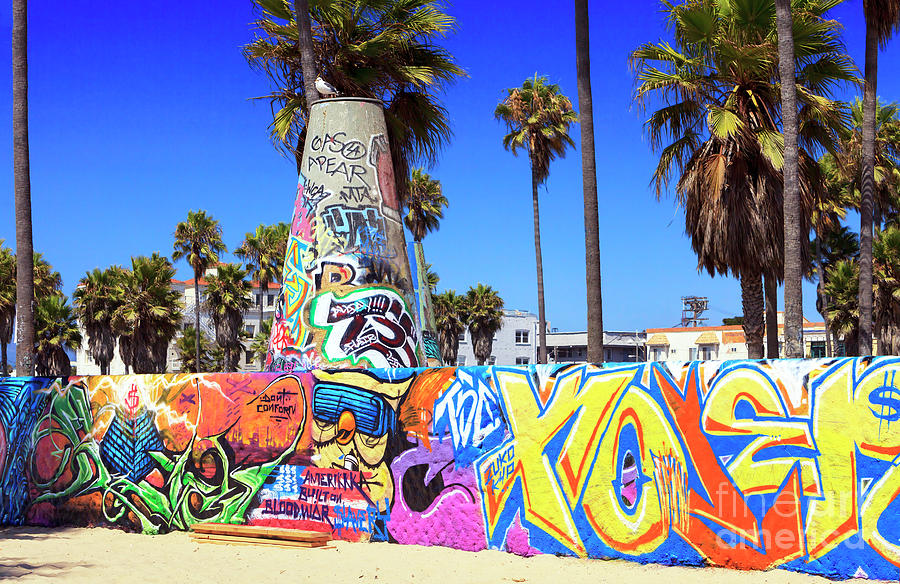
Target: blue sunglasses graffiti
373,415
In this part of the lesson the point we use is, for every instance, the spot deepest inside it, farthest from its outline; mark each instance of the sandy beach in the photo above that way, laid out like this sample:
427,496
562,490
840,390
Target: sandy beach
29,554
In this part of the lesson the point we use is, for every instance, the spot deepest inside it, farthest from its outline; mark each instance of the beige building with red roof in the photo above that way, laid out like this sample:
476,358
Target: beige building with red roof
724,342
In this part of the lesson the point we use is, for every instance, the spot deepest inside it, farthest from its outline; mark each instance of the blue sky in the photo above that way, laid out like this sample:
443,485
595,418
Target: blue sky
141,112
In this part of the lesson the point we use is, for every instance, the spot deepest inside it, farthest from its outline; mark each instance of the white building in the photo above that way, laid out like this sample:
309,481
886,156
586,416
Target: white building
514,344
618,346
725,342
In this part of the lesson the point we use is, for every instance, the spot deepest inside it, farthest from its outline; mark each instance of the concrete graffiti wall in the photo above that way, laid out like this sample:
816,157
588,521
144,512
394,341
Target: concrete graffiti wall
752,465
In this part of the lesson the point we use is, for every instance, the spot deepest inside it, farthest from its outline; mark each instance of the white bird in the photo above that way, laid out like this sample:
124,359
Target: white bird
325,88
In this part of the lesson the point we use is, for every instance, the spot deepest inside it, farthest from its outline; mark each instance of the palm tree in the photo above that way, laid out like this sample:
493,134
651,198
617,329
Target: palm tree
21,170
7,303
97,298
842,286
882,20
56,330
46,280
450,319
260,252
385,50
307,50
260,345
718,129
793,238
184,346
589,185
431,279
845,169
886,255
538,117
150,314
483,312
424,210
199,240
227,298
279,233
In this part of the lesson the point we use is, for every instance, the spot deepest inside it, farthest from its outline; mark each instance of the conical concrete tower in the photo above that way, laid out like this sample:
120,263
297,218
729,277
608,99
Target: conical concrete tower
347,296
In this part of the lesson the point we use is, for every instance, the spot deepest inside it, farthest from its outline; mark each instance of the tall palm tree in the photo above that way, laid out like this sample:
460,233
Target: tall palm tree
259,251
199,240
227,298
845,169
483,312
150,314
22,176
424,210
56,329
842,286
538,117
827,215
7,303
589,185
307,50
882,20
279,233
717,130
886,256
386,50
46,279
431,279
793,238
97,298
450,319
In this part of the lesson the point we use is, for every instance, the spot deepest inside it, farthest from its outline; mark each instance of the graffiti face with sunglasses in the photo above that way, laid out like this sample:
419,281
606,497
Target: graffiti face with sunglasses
352,422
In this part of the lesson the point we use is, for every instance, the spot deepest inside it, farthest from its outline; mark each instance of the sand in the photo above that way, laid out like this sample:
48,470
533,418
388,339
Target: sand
29,554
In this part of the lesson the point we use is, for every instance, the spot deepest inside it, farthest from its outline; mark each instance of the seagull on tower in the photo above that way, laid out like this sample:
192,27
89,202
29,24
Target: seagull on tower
325,88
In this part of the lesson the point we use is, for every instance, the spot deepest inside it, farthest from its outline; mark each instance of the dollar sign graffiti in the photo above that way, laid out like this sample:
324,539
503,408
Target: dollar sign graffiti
887,398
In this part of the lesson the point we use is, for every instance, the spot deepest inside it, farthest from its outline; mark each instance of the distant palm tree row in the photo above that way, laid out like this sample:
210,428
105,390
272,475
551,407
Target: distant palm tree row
480,311
137,310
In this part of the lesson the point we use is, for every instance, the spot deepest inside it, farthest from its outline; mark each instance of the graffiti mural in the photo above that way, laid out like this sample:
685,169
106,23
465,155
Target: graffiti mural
347,287
743,464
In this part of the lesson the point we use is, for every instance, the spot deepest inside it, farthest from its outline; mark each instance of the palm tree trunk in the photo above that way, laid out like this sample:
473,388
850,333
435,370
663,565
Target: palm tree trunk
589,185
22,172
752,302
770,287
426,312
542,323
4,364
823,298
867,192
196,321
307,55
793,269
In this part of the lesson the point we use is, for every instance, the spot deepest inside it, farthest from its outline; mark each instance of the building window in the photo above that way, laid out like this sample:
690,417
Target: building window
461,361
521,337
248,358
522,360
257,299
657,354
270,300
817,349
250,329
692,354
707,353
840,350
608,354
